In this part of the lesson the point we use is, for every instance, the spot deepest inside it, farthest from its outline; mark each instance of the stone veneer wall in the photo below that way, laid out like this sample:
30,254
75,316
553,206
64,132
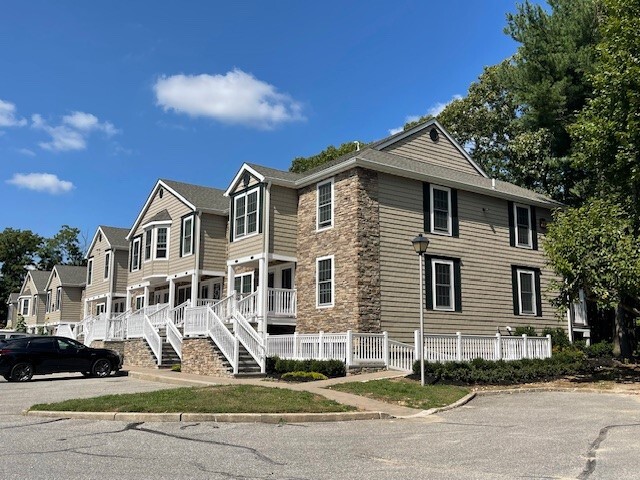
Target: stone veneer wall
354,241
117,345
200,357
138,354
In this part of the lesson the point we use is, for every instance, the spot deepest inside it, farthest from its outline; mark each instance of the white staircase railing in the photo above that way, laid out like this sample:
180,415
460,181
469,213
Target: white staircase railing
157,314
176,314
225,308
401,356
248,306
65,330
152,337
282,302
174,337
195,321
223,338
135,324
251,340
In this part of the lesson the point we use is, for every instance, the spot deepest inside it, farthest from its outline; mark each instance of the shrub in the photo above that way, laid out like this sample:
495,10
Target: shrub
479,371
303,376
176,368
599,350
528,330
329,368
559,338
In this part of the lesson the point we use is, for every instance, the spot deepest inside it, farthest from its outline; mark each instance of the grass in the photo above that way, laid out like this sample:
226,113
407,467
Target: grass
217,399
405,392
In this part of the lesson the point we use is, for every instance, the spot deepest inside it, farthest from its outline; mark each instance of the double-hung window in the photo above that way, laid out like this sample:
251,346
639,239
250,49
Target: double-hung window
25,307
148,244
107,264
48,306
58,298
135,254
325,205
527,298
90,271
440,210
523,226
443,285
243,283
245,207
162,239
324,282
187,236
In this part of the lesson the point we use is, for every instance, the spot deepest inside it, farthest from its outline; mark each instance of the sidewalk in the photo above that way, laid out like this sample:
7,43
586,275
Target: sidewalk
361,403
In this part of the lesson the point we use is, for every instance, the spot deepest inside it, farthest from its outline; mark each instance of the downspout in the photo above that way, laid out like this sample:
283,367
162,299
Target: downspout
112,272
265,273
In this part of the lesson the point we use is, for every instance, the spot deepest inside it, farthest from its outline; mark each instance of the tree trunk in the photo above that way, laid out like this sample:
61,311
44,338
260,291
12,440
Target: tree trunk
621,337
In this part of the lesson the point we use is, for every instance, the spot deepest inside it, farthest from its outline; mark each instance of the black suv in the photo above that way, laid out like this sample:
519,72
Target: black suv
21,358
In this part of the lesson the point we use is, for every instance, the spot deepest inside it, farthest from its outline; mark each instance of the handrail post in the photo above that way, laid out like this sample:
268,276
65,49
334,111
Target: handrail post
416,345
549,346
498,346
459,346
321,345
385,348
349,349
525,346
236,355
295,346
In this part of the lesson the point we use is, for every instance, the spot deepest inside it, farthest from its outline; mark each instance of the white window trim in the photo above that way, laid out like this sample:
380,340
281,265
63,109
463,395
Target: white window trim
35,306
155,242
235,200
143,246
107,266
535,293
58,299
28,307
192,243
241,276
90,272
48,308
452,291
320,184
138,240
136,301
515,226
333,283
449,231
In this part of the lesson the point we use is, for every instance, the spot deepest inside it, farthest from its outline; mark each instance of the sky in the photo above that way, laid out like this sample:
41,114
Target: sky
100,99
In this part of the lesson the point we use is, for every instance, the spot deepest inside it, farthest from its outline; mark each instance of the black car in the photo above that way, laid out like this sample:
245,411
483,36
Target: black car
21,358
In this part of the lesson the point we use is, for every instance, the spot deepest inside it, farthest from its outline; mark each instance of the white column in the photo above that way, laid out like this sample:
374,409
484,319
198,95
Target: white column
86,309
263,276
231,272
109,305
194,287
145,302
172,293
128,305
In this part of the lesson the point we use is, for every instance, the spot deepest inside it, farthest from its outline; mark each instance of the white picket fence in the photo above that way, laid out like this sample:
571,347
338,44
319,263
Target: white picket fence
375,349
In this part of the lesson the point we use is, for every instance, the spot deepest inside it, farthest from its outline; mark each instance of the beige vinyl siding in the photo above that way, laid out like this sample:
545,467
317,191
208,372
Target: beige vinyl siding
283,227
419,146
486,259
213,246
30,290
241,186
98,285
71,309
121,269
248,246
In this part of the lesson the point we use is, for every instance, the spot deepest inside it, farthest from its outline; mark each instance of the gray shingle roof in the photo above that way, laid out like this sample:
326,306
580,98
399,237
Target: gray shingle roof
40,278
277,175
205,198
71,275
161,216
117,236
13,297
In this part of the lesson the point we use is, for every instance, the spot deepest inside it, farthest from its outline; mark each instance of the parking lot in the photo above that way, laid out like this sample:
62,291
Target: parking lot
532,435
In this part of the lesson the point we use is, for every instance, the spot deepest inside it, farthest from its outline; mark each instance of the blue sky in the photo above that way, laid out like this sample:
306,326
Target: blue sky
100,99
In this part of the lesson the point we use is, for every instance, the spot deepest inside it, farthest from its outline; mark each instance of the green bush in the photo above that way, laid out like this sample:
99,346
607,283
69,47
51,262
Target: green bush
599,350
479,371
176,368
329,368
559,338
528,330
303,376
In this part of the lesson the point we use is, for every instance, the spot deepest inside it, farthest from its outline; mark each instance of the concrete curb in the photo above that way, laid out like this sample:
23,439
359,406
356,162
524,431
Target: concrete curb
272,418
463,401
555,389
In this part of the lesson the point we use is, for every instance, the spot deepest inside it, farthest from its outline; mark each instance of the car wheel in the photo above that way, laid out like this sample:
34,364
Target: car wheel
86,374
21,372
101,368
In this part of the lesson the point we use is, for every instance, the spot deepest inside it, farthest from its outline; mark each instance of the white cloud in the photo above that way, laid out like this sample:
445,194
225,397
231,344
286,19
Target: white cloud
72,134
234,98
27,152
41,182
8,115
434,111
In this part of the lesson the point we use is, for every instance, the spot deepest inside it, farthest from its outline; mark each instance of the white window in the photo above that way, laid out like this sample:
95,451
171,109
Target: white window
523,233
245,207
148,242
324,211
162,242
187,236
25,307
443,285
89,271
135,254
59,298
243,283
440,210
107,264
100,308
324,282
48,306
527,292
139,302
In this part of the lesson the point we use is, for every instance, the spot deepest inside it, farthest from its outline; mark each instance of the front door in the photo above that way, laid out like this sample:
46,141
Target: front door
100,308
184,294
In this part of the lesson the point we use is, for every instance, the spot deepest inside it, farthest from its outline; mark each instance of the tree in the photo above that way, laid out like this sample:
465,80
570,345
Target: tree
302,164
594,248
21,325
63,248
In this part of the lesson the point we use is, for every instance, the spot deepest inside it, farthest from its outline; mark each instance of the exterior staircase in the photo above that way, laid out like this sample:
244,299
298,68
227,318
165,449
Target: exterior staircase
247,366
169,355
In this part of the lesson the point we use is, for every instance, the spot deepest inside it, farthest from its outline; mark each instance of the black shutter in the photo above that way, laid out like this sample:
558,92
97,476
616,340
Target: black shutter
534,232
455,224
514,289
428,282
457,277
538,294
426,207
181,234
512,228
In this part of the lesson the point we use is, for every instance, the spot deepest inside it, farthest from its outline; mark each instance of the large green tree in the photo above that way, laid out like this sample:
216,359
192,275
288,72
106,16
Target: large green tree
302,164
63,248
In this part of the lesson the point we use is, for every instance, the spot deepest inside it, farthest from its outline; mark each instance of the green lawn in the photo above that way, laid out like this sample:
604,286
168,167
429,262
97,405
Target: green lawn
405,392
218,399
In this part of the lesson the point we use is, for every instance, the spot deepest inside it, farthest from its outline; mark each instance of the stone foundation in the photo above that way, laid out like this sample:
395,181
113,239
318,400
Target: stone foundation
201,357
138,354
117,345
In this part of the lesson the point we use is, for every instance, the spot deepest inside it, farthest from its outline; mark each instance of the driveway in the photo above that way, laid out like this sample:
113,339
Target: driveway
529,435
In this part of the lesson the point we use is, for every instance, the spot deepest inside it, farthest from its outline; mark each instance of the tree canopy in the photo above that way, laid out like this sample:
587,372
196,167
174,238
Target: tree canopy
302,164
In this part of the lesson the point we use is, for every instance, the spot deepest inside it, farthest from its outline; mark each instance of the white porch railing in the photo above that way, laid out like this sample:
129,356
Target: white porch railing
66,330
152,337
282,302
401,356
225,308
157,314
176,314
135,324
174,337
251,340
248,306
228,343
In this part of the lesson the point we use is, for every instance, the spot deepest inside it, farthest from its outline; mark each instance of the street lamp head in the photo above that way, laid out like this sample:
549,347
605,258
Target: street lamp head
420,244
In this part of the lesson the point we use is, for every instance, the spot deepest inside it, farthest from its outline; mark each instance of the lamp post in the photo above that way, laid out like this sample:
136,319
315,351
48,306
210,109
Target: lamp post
420,245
